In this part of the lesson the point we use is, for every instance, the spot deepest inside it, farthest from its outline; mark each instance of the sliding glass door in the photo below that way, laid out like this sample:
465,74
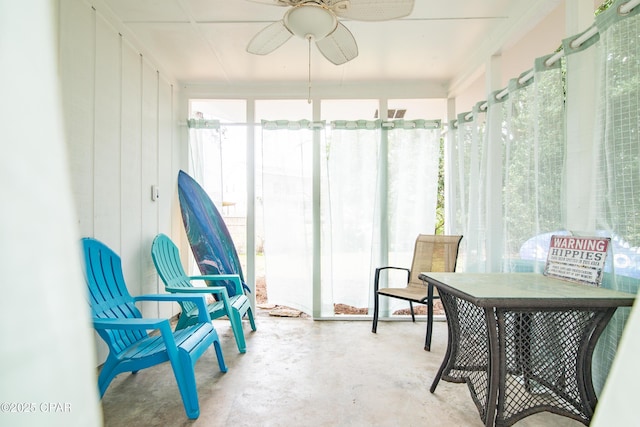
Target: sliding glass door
333,199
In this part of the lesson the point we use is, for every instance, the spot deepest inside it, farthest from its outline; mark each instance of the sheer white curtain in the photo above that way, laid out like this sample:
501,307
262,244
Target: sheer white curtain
379,193
618,141
548,122
477,218
519,172
582,92
474,235
413,159
534,162
286,179
454,190
617,167
508,167
349,194
408,169
495,143
469,180
205,157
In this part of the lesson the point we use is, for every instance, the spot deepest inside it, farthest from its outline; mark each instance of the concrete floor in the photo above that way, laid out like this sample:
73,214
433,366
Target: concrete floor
300,372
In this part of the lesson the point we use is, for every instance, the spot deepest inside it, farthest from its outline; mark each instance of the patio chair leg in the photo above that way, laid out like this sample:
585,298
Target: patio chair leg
374,328
252,321
238,332
376,302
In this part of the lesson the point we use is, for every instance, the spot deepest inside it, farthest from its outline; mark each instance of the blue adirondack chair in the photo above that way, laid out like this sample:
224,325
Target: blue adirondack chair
166,258
121,325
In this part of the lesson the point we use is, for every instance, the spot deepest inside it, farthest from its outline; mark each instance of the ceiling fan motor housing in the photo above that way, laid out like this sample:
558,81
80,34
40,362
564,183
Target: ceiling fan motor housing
310,20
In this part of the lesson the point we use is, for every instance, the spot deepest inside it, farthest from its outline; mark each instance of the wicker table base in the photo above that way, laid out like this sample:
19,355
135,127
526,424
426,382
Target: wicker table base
543,365
520,357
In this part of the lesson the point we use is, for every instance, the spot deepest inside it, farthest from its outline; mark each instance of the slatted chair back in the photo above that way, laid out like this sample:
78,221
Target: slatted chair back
166,258
109,297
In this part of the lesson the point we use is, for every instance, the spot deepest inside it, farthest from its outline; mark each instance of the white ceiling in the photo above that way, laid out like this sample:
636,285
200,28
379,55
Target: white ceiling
204,41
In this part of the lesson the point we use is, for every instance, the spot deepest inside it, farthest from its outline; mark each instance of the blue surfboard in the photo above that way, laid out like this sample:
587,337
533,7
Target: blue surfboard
208,235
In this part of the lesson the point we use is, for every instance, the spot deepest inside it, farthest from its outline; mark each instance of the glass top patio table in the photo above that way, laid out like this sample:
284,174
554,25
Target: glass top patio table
522,290
523,342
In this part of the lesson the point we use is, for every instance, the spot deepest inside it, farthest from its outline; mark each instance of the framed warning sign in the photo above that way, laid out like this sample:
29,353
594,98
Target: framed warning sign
577,259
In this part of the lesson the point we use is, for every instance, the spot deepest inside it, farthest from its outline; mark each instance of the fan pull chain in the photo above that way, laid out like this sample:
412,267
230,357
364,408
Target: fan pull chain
309,81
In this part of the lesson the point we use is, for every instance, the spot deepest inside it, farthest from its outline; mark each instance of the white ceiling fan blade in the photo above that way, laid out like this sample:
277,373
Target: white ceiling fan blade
269,39
339,46
372,10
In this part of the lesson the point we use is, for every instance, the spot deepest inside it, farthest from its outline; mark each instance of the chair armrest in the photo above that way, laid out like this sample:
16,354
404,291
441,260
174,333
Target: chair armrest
214,277
379,269
142,324
196,290
199,299
220,291
395,268
129,324
235,278
170,297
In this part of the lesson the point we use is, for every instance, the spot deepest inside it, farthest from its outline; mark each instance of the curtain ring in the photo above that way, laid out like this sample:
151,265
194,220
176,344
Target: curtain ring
621,10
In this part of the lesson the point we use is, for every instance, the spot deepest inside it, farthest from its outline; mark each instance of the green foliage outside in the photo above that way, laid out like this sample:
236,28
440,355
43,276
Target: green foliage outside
439,229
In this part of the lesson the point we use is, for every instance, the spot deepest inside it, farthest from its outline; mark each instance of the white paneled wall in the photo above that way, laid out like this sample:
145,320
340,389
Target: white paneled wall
122,134
47,359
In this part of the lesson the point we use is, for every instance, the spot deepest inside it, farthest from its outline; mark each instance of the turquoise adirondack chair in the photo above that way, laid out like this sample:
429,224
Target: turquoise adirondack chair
121,325
166,258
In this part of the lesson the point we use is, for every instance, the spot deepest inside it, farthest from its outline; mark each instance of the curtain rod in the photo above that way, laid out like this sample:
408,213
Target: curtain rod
622,10
435,123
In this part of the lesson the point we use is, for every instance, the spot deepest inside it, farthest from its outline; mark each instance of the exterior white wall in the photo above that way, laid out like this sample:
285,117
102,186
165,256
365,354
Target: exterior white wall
515,59
543,39
123,137
47,354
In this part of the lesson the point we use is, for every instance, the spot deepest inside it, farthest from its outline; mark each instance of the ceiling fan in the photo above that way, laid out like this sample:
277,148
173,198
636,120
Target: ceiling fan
317,20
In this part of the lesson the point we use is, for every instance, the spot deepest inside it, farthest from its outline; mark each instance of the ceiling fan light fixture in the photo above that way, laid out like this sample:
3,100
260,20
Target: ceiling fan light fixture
310,20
